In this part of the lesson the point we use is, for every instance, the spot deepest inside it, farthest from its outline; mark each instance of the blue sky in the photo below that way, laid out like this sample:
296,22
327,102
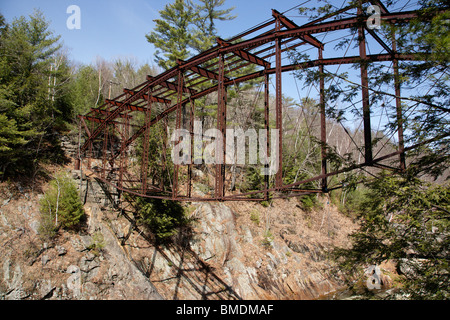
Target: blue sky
117,28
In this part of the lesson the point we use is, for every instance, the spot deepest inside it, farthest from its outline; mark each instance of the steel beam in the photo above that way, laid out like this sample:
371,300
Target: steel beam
379,40
279,109
145,145
267,127
180,90
318,28
258,74
398,105
365,94
245,54
172,86
146,98
203,72
221,127
323,124
291,25
211,54
162,87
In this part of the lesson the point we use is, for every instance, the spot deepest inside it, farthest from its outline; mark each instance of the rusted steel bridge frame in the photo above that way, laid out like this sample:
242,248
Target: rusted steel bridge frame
174,90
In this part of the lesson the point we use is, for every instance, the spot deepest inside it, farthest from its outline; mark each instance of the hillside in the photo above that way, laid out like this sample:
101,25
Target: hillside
229,254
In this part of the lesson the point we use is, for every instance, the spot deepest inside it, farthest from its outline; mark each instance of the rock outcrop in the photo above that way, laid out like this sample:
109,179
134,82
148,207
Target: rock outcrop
229,255
238,250
86,265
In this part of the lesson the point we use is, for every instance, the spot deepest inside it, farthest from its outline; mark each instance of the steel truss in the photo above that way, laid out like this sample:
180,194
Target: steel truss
109,132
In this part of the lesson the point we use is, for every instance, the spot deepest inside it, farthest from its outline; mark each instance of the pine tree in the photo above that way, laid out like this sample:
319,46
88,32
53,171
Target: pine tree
34,95
172,34
85,90
207,13
185,29
61,206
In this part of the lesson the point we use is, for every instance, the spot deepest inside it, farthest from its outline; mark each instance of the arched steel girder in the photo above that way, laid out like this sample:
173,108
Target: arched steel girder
213,71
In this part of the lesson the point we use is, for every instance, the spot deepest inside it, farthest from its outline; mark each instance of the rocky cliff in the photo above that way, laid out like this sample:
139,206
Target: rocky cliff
238,250
86,265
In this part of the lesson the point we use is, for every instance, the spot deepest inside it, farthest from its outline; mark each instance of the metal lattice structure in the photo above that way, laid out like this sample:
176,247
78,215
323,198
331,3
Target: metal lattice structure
109,133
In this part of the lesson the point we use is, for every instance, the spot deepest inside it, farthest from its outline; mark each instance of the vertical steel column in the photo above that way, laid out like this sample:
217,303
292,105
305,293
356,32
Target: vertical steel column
90,155
105,149
279,109
123,155
221,126
78,159
164,152
266,126
398,103
111,142
323,123
177,127
365,93
191,132
146,142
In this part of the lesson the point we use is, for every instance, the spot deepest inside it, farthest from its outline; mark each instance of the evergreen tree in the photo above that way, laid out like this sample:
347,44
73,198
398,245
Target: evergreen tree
185,26
205,32
85,90
172,35
61,206
34,96
403,218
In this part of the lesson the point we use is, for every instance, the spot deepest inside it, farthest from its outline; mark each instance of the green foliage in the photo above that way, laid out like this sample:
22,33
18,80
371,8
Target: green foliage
253,180
184,26
85,90
265,204
61,206
162,217
34,94
10,136
156,171
97,244
254,216
172,34
267,239
308,202
404,219
301,151
349,200
204,35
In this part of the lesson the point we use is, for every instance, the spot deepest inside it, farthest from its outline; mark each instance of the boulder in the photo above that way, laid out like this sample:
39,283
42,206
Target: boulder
61,250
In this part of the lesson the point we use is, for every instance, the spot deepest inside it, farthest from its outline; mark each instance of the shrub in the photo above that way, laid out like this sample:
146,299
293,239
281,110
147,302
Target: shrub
268,239
61,206
265,203
162,217
309,202
350,201
97,243
254,216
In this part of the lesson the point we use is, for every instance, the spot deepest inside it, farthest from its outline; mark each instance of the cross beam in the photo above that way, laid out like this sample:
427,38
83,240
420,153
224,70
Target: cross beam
291,25
172,86
245,54
202,71
145,97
